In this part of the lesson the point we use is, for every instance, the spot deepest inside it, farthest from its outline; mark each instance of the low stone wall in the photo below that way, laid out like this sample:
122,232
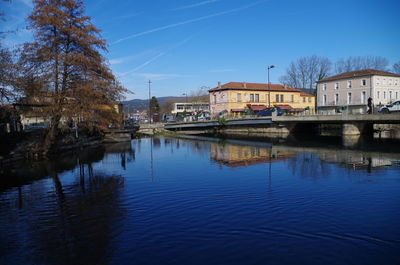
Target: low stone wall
151,129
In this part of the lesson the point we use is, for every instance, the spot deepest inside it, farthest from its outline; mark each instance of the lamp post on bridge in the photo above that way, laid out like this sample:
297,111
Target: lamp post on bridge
269,89
186,101
149,101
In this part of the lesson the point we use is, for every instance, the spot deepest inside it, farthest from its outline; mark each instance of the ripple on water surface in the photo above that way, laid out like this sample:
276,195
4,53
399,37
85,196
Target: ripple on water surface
204,201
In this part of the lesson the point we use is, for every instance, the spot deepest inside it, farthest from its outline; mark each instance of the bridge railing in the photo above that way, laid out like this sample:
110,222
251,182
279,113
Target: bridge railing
302,114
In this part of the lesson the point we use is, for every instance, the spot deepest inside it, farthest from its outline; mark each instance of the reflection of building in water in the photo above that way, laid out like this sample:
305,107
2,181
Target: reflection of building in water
355,160
234,155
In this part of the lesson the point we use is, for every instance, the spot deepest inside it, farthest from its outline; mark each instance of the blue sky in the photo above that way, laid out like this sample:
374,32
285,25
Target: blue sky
182,45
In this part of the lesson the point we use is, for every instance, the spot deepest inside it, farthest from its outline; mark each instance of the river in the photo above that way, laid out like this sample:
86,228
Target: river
200,200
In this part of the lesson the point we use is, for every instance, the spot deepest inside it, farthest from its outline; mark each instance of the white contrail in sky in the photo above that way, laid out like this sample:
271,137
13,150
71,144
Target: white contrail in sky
196,5
187,22
154,58
144,64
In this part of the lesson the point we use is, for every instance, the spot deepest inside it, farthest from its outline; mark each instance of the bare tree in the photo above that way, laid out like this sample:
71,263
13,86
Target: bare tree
306,71
396,68
199,95
6,74
168,106
6,66
361,62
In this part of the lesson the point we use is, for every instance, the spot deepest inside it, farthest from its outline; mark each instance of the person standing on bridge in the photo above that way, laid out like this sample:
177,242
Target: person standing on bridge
369,105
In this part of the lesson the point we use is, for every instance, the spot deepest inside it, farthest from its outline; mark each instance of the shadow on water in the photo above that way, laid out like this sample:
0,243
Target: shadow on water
73,222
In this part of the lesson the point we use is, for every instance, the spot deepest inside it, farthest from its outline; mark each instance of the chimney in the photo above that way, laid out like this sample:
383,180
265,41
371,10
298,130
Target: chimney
219,84
244,85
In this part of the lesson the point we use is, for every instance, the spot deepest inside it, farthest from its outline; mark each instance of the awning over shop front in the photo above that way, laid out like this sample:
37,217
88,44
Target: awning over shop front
284,107
237,110
257,107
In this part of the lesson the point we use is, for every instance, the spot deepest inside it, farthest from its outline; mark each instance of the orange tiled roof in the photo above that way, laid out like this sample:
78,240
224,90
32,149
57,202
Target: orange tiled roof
303,94
366,72
254,86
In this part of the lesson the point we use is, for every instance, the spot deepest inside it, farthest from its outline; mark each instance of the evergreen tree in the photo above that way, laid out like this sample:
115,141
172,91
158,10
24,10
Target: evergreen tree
154,106
67,54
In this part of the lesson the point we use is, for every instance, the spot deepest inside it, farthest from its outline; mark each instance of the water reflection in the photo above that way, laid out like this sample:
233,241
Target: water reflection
304,160
197,200
70,213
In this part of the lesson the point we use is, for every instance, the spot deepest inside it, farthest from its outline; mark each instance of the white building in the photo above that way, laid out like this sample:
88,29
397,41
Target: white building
351,91
190,107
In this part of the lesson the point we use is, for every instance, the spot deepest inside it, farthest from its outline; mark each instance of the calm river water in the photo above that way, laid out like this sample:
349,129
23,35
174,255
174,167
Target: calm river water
205,201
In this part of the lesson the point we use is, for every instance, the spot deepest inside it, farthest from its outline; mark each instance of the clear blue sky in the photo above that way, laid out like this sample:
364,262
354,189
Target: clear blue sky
182,45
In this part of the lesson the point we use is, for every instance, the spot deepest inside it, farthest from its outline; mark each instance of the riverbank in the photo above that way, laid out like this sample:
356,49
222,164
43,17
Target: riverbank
29,146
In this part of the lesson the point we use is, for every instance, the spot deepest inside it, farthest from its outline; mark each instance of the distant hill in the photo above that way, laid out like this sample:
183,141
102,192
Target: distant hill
143,104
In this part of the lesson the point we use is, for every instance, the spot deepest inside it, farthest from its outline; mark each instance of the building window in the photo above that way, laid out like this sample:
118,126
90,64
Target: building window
215,98
377,94
257,97
336,85
390,95
304,99
349,84
336,99
238,97
324,86
363,97
277,98
396,96
251,97
324,100
309,100
364,82
292,98
349,98
384,94
282,98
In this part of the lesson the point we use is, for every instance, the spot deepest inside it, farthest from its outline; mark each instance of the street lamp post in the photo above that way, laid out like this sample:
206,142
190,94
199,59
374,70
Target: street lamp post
269,90
185,94
149,101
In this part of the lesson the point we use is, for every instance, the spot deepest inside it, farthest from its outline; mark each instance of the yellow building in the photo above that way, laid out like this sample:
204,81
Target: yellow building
234,155
237,97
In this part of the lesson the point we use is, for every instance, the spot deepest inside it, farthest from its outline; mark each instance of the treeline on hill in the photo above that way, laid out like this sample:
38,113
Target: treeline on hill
62,71
165,103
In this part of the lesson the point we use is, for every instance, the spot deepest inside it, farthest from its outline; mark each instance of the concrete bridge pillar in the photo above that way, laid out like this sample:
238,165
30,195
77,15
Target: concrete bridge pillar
349,129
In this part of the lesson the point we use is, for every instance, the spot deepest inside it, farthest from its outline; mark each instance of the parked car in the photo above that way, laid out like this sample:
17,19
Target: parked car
203,116
269,111
35,126
395,106
169,118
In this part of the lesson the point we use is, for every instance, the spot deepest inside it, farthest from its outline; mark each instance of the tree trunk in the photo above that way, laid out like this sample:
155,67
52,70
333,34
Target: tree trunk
52,133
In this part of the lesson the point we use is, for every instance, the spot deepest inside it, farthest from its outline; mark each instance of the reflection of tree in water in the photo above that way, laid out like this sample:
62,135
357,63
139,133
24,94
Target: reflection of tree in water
73,224
120,153
308,165
200,147
156,142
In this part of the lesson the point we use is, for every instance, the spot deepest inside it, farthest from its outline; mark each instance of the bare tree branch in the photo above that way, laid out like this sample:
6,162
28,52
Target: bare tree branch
306,71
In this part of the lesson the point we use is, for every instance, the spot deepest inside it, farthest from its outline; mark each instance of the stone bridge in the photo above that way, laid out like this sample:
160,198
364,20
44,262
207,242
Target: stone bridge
351,124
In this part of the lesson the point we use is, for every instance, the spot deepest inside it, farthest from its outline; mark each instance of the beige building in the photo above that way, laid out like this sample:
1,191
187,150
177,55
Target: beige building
351,91
236,97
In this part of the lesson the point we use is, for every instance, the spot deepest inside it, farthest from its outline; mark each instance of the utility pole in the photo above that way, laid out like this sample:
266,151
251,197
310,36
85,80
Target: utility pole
149,101
269,89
